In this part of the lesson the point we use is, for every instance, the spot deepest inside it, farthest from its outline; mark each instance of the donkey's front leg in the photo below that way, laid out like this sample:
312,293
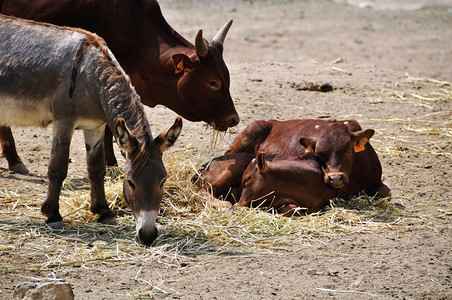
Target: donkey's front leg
59,158
96,172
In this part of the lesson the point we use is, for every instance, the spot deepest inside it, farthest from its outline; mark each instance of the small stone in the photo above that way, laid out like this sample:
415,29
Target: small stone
312,271
43,291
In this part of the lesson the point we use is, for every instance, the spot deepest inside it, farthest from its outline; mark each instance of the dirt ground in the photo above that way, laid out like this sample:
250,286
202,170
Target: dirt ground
377,55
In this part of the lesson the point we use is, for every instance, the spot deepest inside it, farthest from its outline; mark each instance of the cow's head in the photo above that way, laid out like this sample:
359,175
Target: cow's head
144,176
203,85
336,148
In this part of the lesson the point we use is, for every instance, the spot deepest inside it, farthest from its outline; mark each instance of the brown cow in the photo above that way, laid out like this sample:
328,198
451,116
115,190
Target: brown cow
290,184
348,161
164,67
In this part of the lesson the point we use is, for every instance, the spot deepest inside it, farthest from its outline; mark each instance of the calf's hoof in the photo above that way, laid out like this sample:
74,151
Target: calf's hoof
58,225
207,198
19,168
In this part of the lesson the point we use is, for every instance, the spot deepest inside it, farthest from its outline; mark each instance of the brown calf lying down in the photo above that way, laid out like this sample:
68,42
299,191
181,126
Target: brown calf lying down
312,161
290,184
349,162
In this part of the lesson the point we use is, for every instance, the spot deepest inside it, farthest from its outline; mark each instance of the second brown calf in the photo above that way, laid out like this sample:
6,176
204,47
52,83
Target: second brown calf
289,184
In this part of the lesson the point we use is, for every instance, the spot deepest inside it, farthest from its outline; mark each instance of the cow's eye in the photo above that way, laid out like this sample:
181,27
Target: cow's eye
246,180
214,83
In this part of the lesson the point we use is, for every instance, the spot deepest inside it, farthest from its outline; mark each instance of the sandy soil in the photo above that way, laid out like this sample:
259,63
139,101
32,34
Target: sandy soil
274,49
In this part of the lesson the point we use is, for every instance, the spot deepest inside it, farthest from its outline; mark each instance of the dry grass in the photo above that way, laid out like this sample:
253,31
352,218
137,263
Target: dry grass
187,227
430,130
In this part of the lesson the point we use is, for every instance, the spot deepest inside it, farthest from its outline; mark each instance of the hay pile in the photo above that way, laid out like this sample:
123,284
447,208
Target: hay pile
187,226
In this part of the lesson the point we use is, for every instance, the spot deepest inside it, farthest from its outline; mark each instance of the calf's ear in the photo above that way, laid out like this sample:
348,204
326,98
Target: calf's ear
181,63
261,164
308,144
125,139
360,139
168,138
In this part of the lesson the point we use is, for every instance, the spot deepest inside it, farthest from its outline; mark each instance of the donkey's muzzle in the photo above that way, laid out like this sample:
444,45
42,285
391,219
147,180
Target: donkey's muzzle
146,237
146,229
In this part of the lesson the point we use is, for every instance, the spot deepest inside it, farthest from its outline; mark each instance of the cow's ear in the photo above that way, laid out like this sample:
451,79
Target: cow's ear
308,144
125,139
168,138
261,164
360,139
181,62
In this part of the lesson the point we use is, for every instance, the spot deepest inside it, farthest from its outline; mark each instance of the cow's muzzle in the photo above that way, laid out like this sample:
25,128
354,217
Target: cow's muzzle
146,229
231,122
336,180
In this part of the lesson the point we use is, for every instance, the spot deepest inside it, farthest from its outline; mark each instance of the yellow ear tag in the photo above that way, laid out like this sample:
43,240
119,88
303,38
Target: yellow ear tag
360,147
180,67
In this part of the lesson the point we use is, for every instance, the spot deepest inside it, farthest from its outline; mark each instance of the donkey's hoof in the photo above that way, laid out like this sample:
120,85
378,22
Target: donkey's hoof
20,169
58,225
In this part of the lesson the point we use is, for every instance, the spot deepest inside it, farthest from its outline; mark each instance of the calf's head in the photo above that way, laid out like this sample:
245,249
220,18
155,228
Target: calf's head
270,182
289,184
336,148
144,176
203,86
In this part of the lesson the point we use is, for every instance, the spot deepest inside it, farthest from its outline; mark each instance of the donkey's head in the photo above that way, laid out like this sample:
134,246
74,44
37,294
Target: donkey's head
144,176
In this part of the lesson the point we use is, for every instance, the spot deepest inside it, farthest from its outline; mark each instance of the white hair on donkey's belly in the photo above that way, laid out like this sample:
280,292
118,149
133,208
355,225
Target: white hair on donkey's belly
25,112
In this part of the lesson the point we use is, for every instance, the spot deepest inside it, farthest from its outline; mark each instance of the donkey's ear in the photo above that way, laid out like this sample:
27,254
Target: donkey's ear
168,138
261,164
126,141
308,144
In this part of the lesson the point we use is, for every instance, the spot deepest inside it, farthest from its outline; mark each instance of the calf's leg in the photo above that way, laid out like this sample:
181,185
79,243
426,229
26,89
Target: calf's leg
291,209
15,164
379,191
96,173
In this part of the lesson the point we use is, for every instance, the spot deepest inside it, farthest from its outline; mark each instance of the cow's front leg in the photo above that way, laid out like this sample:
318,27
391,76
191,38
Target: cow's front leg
57,172
96,172
15,164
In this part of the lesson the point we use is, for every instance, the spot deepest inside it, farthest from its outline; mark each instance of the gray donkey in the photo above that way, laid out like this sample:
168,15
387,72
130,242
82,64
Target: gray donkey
68,77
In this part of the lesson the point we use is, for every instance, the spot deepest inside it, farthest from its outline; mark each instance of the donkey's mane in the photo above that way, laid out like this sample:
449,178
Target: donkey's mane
120,100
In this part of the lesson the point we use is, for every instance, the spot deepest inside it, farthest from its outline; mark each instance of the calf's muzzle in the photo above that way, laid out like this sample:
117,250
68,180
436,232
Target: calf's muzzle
336,180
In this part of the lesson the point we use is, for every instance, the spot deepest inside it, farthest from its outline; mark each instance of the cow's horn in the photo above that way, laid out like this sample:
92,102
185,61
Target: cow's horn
201,47
220,36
